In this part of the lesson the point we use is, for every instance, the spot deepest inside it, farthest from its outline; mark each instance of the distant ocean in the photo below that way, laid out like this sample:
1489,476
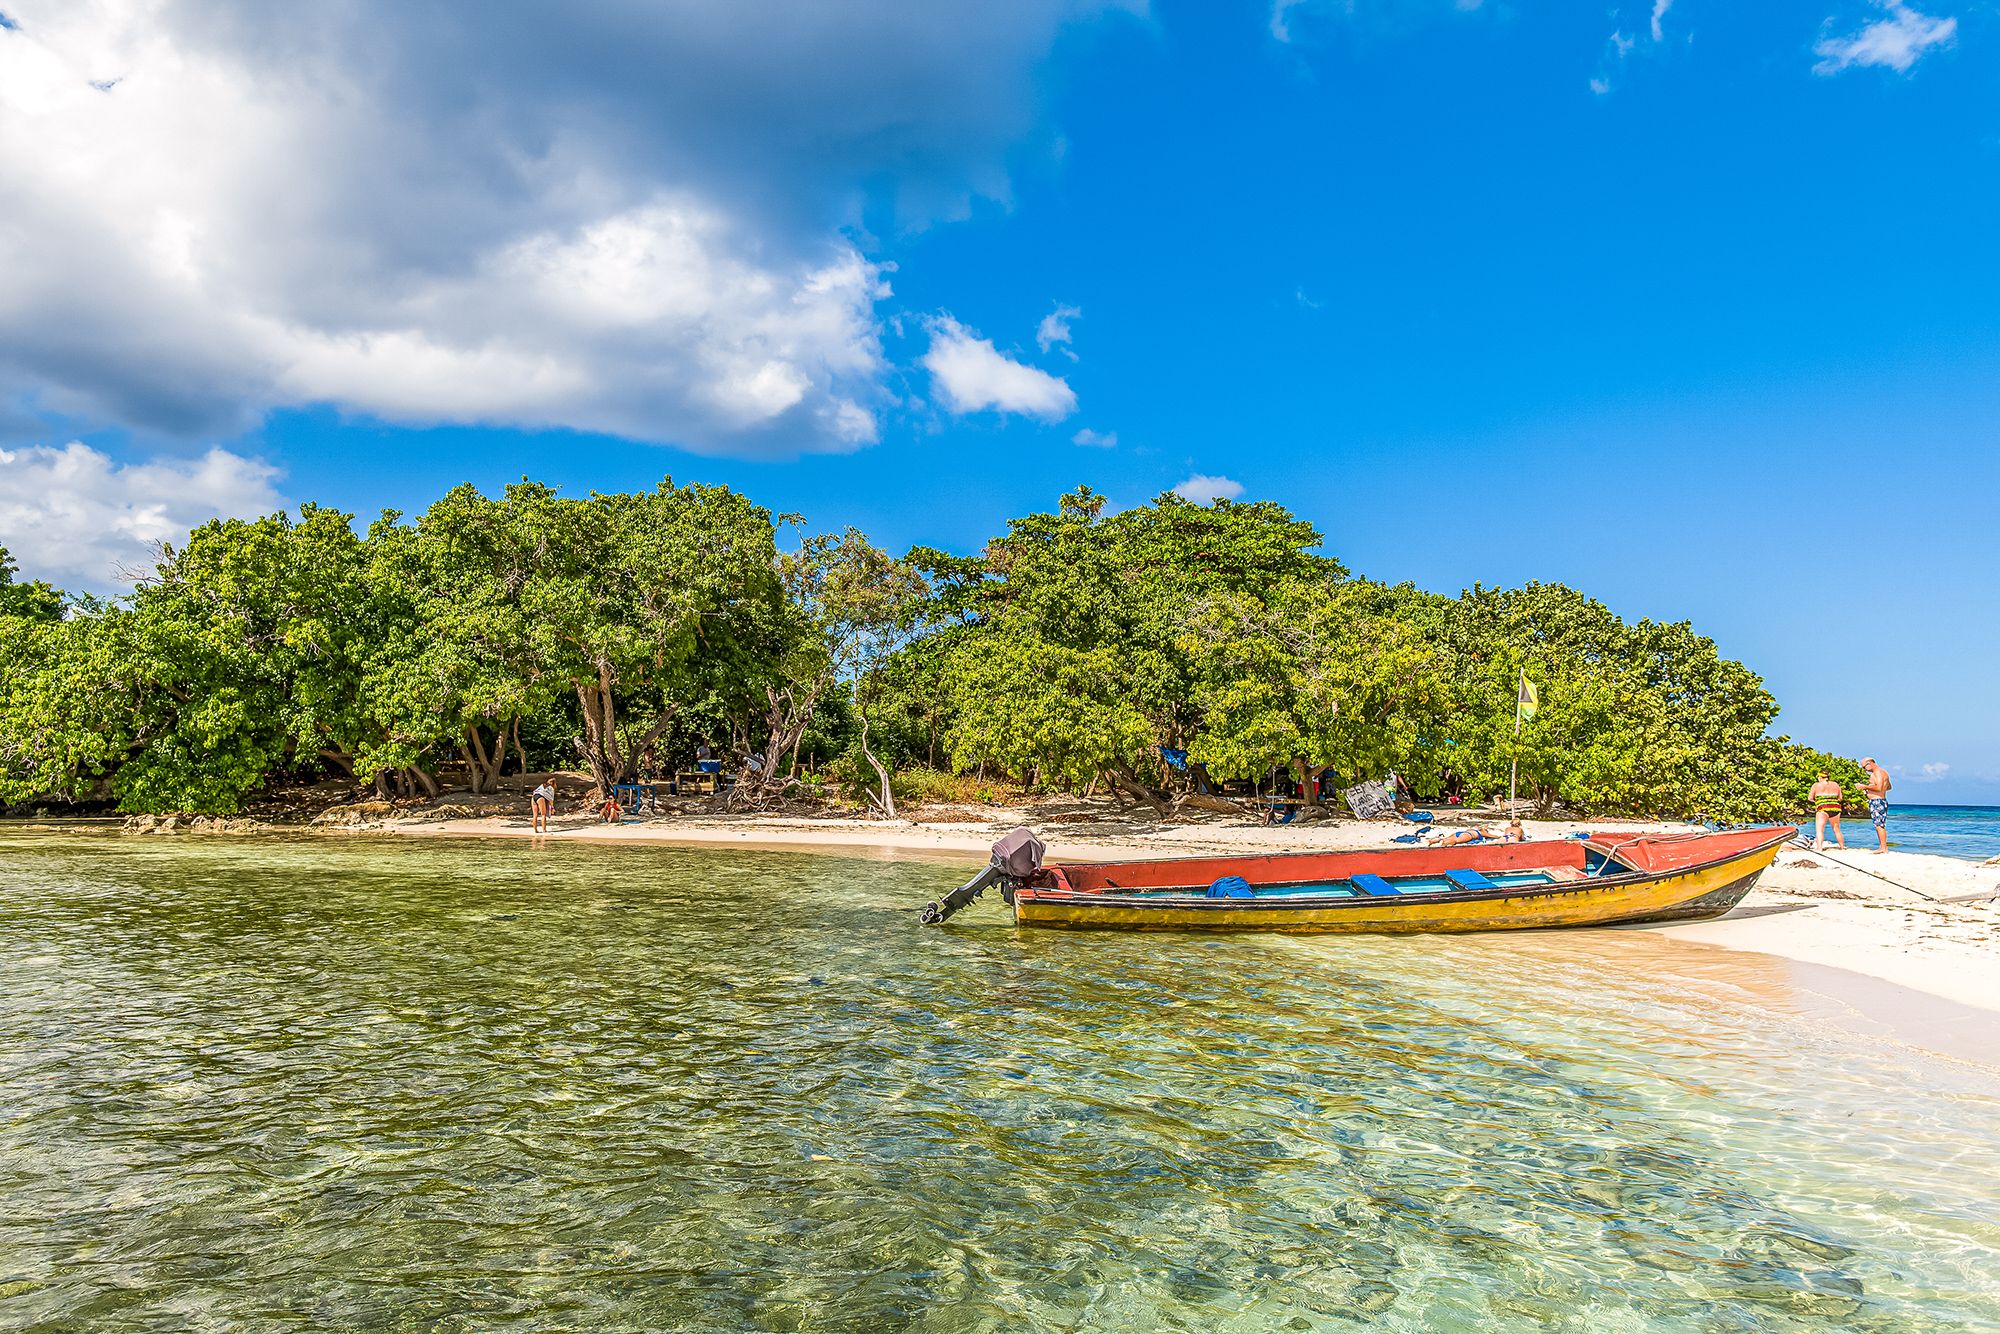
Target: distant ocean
1971,832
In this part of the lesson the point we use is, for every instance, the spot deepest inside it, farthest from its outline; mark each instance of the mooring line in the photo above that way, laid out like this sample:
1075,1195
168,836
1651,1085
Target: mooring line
1910,889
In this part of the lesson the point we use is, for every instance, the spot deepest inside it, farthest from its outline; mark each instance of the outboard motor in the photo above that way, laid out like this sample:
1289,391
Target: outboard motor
1016,859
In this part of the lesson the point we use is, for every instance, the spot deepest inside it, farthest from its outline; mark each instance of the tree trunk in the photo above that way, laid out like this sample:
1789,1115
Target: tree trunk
422,779
599,742
886,802
1125,782
340,758
483,763
786,717
477,767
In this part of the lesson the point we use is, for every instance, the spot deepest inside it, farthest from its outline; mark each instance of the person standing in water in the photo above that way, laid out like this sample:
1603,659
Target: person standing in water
1876,789
541,804
1827,799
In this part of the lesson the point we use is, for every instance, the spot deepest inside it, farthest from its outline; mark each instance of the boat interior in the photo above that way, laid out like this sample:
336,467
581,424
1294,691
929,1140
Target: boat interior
1405,871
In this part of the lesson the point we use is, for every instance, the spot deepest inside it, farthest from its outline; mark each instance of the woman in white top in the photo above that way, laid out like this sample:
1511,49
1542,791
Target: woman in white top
543,804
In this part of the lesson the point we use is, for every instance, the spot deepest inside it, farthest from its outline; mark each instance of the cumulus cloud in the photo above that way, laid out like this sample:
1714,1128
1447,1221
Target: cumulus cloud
1095,439
1203,489
971,375
75,517
618,217
1897,41
1054,330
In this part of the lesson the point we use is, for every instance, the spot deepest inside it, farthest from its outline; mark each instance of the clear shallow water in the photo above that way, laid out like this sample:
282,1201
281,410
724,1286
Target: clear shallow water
1971,832
453,1085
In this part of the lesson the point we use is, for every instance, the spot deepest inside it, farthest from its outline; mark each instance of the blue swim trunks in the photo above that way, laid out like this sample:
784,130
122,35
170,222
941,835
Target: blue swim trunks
1878,810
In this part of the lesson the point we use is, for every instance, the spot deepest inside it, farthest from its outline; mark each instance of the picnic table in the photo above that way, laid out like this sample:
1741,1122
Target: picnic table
1281,810
635,797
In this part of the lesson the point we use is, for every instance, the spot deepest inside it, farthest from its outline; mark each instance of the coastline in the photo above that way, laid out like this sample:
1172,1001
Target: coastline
1881,958
1824,911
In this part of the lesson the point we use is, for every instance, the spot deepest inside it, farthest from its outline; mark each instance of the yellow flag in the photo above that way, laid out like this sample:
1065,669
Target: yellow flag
1530,702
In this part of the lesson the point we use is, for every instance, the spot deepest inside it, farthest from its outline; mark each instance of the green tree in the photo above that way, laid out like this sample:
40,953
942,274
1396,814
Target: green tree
1086,611
34,602
857,607
637,605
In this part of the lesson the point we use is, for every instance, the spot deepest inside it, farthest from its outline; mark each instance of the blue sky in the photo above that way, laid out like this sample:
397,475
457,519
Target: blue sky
1692,306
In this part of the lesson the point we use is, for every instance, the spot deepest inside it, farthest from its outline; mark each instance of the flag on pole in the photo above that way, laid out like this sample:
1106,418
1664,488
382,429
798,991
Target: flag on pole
1530,702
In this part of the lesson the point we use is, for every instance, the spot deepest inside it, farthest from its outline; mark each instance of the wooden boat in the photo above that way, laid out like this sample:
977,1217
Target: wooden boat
1601,880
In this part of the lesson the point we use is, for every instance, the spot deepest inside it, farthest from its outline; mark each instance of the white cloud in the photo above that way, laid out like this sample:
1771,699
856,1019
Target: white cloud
1203,489
972,375
1281,28
622,218
1600,86
1054,329
1930,773
1897,41
75,517
1095,439
1660,8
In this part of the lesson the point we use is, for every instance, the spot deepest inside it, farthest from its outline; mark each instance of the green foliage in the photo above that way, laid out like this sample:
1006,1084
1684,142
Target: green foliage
31,602
1070,658
1064,654
1080,642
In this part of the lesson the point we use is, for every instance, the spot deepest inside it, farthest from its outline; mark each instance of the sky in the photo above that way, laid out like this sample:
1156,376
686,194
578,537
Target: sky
1693,306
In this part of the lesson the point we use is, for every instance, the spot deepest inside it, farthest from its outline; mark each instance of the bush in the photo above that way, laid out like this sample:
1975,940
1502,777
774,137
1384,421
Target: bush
920,784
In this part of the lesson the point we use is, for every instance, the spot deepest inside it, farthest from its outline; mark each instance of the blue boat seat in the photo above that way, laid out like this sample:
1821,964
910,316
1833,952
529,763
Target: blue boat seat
1469,880
1371,884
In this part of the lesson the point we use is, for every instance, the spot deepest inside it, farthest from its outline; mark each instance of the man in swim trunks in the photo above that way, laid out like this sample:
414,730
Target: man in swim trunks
1876,789
1827,800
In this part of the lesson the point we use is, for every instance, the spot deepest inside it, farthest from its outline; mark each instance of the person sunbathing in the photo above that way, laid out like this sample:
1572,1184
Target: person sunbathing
1480,833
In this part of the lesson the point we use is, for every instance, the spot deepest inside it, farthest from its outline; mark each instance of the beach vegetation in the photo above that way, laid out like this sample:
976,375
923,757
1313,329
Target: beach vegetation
493,634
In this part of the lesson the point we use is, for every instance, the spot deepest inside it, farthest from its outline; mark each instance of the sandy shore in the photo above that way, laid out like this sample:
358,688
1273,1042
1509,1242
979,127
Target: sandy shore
1870,914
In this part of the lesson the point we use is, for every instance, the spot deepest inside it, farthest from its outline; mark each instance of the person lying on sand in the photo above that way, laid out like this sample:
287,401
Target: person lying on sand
1480,833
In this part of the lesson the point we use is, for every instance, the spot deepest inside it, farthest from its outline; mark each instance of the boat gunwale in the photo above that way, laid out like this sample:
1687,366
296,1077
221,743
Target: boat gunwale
1185,898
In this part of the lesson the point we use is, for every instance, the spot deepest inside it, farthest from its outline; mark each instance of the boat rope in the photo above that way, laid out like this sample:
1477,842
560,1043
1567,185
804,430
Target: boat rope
1911,889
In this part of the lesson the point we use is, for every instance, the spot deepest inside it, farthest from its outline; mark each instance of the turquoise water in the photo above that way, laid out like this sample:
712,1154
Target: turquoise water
1971,832
417,1084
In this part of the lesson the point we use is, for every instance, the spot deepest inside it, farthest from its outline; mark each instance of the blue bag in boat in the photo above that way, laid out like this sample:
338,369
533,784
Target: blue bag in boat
1231,887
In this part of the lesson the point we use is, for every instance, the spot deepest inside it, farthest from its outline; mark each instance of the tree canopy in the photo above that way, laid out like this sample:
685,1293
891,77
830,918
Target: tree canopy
1069,652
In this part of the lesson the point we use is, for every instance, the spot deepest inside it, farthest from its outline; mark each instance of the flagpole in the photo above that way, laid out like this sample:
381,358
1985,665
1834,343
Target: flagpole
1514,768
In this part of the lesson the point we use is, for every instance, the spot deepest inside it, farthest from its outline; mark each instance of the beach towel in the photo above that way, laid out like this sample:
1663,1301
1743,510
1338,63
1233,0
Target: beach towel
1231,887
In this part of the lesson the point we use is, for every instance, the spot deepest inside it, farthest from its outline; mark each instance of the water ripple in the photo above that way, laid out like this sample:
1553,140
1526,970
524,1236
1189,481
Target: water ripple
272,1085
